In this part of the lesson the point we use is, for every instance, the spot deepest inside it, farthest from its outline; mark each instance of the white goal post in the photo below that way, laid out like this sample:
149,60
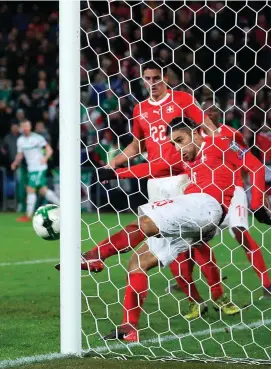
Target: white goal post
70,245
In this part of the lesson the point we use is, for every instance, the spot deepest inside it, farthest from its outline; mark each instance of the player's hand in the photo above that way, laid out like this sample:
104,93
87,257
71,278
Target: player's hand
103,174
13,166
43,161
263,216
111,165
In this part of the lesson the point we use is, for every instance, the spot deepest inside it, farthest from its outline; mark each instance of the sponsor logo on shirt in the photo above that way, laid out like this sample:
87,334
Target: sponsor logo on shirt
156,112
144,116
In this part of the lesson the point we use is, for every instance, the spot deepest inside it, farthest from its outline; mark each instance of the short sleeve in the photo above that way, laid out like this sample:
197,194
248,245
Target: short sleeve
136,129
42,141
19,146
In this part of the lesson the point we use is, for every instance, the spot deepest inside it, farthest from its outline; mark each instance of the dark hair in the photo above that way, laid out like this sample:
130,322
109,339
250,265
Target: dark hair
213,99
155,64
181,123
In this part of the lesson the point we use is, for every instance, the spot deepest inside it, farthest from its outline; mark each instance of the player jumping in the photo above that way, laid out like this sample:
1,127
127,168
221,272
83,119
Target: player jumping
188,220
31,146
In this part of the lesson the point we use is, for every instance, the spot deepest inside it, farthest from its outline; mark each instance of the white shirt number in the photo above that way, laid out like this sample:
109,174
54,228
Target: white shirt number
158,133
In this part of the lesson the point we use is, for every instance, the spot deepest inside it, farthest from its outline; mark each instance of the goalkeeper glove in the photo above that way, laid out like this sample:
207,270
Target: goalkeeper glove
262,215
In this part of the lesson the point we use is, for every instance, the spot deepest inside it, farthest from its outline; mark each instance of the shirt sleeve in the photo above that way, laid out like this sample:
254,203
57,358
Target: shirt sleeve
150,170
42,142
19,146
136,129
192,108
242,158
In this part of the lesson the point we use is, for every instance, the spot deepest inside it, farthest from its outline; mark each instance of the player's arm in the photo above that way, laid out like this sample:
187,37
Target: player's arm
134,148
143,170
194,112
244,159
48,152
17,161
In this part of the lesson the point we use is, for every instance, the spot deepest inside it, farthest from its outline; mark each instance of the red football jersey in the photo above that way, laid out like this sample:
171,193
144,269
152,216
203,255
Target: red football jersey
236,137
150,121
263,142
214,169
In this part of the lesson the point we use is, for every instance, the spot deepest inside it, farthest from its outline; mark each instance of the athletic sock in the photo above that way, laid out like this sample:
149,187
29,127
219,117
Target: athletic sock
30,204
254,255
52,197
135,295
204,257
124,240
182,270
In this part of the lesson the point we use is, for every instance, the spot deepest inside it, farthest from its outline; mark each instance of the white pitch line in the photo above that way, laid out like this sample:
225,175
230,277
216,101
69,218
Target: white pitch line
238,327
100,349
28,262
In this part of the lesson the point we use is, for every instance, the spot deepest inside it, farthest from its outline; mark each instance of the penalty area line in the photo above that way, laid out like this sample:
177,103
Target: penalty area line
108,347
28,262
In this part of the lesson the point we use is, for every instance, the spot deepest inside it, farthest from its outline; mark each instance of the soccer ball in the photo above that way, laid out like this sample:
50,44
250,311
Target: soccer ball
46,222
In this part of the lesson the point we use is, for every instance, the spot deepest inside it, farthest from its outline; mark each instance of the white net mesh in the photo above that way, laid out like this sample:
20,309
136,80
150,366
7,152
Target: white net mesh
215,51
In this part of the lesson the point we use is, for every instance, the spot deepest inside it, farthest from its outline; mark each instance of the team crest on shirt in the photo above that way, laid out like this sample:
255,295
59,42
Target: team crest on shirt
170,109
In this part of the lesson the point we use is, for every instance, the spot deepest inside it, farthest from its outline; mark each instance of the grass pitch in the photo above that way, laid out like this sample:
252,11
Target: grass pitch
29,306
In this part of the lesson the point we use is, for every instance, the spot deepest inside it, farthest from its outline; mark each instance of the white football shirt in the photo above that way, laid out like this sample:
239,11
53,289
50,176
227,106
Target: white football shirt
31,146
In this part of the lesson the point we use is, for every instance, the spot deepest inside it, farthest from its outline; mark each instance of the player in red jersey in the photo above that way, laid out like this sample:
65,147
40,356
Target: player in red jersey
150,119
184,221
236,220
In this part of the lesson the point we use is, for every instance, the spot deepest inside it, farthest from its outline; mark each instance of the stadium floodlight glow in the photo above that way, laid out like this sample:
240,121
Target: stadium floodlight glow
70,281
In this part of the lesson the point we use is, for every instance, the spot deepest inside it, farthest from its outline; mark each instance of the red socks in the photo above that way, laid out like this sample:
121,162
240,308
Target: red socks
135,294
204,257
182,270
254,255
131,236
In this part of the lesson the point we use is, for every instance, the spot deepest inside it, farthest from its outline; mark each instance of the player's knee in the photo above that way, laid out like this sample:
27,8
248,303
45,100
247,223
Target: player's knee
148,227
42,191
30,189
134,263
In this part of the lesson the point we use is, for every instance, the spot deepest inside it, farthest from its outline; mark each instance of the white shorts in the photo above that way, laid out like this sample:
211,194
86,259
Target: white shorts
161,189
183,221
167,187
238,211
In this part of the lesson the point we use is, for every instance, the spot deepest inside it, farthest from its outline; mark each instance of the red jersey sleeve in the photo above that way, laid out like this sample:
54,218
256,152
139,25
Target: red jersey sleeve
242,158
137,130
150,170
192,109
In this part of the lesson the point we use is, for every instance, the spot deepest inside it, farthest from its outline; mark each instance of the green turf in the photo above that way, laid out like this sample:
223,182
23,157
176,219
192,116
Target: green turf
29,306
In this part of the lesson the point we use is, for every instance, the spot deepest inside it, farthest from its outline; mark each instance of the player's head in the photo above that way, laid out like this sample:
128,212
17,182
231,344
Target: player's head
155,78
184,133
25,127
211,106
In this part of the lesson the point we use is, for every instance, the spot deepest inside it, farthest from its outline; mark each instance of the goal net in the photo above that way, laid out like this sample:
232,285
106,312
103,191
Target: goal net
218,52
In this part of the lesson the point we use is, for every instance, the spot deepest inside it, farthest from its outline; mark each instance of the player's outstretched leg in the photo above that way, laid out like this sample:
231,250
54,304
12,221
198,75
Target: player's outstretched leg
255,257
182,270
140,263
123,241
30,205
49,195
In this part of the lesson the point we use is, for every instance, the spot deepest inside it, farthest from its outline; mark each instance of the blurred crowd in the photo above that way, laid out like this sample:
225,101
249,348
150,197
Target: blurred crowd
211,50
28,73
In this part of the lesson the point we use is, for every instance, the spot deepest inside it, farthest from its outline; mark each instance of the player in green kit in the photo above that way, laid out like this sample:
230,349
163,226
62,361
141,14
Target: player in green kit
31,146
